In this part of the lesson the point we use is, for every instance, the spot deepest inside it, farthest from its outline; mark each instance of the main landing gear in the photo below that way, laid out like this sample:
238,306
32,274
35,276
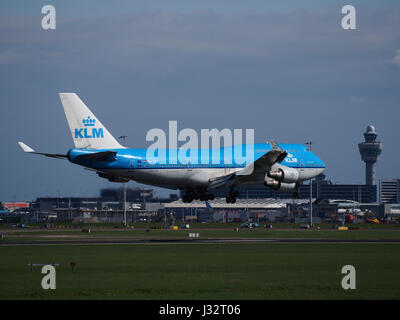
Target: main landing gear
192,194
297,194
233,194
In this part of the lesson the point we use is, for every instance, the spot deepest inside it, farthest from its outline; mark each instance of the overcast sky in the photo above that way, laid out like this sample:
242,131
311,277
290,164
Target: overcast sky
285,68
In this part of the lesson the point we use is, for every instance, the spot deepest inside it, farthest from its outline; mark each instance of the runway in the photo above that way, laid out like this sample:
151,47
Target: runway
187,241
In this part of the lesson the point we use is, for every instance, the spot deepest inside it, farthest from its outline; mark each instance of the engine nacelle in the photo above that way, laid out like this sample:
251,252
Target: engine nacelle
279,186
287,186
284,174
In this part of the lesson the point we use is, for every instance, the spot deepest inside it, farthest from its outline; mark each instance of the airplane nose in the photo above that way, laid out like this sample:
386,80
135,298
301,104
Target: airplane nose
320,166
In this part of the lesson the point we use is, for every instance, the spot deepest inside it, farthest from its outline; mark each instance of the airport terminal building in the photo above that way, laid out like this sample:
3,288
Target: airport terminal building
255,202
389,191
321,189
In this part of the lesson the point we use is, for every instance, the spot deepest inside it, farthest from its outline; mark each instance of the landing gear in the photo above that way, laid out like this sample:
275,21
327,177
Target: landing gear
192,194
233,194
207,196
297,194
187,199
189,196
230,199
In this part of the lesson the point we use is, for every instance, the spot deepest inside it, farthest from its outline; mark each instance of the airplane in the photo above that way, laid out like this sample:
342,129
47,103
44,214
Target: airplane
281,167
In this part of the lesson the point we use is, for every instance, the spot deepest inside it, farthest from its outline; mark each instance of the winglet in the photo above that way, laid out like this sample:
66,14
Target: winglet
276,146
25,147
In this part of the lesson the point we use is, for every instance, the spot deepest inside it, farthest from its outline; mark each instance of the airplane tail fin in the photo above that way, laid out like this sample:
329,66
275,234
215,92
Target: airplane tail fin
87,131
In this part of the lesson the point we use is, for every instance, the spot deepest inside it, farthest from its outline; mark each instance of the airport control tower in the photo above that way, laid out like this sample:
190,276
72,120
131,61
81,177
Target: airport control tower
370,151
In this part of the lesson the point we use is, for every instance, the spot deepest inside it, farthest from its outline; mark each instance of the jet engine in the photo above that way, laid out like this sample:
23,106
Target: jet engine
283,174
278,185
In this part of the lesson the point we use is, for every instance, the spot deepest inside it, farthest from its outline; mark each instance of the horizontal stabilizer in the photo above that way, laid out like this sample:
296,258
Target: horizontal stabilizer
99,156
28,149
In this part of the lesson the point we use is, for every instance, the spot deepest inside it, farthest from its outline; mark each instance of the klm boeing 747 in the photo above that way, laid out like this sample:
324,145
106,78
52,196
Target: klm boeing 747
278,166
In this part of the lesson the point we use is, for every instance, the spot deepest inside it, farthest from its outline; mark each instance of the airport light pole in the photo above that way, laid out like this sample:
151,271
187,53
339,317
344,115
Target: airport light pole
311,213
124,184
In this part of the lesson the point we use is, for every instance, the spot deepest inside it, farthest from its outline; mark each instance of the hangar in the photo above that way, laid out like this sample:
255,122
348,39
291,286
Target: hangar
217,210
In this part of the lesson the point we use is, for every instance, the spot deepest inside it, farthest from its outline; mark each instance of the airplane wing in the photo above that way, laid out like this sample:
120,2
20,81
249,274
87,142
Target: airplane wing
28,149
252,172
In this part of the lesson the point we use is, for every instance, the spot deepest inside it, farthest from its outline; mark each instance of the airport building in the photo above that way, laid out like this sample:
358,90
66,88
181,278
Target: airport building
218,210
51,203
321,188
389,191
278,210
109,199
109,207
78,210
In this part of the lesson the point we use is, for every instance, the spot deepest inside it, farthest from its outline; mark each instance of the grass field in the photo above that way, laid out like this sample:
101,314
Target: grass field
202,271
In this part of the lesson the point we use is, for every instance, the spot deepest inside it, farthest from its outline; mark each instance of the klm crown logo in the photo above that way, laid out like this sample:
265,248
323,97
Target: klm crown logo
89,122
86,133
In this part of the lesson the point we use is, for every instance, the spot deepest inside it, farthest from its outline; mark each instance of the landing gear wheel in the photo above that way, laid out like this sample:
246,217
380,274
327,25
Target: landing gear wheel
206,196
230,199
297,194
189,196
233,194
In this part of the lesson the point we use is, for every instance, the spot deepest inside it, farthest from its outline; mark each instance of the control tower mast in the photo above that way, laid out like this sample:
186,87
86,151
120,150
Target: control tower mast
370,151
